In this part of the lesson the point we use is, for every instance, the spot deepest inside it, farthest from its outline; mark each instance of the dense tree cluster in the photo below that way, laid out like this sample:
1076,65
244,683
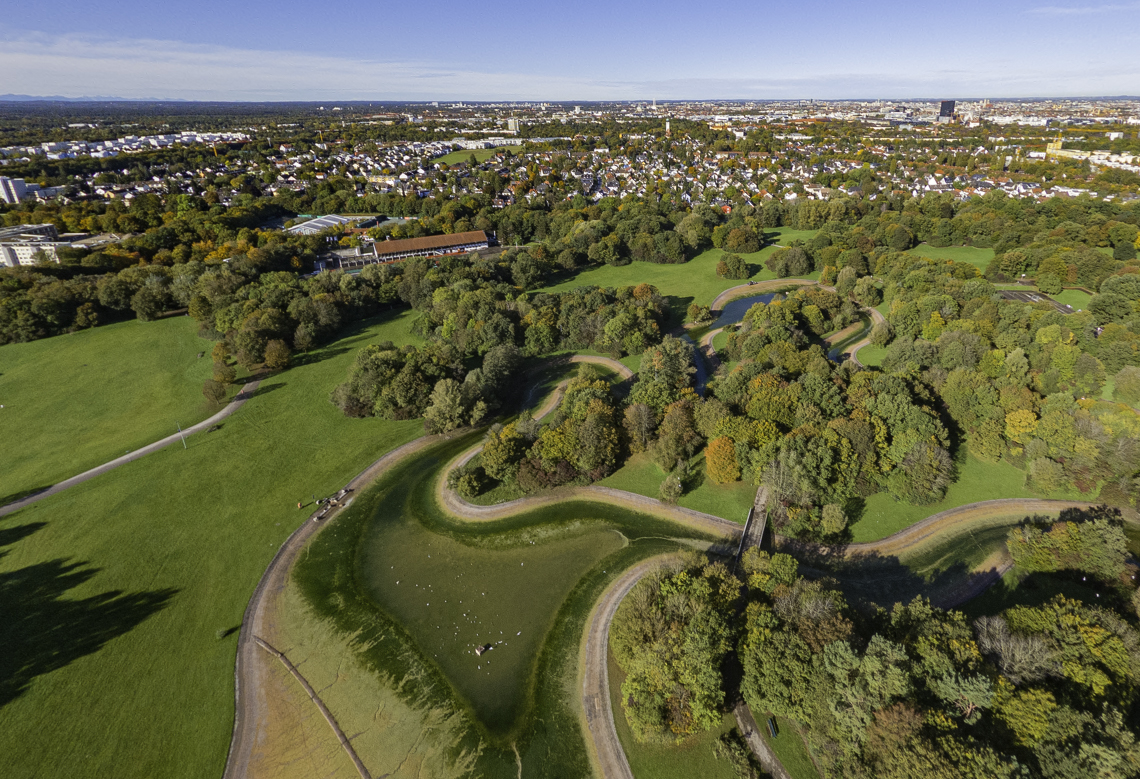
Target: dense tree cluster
1043,691
581,442
153,271
1039,692
670,635
1097,546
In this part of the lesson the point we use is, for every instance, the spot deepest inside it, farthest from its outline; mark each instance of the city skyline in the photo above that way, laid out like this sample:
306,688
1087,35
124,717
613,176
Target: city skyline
589,52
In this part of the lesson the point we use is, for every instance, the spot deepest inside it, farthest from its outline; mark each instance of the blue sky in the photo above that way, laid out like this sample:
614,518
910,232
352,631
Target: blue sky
586,50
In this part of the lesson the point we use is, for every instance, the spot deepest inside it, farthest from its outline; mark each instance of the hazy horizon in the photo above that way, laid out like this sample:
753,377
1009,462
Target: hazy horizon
509,50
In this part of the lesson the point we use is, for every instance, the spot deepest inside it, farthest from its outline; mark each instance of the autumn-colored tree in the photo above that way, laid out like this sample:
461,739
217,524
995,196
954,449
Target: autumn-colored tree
720,461
1020,425
277,354
224,373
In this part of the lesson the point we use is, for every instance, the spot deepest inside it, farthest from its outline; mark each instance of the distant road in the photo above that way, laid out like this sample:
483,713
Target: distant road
238,401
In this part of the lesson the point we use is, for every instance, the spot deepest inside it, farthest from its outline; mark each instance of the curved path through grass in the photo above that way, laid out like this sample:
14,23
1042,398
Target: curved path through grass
238,401
251,669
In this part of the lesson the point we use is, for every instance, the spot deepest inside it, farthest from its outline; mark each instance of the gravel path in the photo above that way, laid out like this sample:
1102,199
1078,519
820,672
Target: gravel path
252,667
876,318
608,752
756,288
238,401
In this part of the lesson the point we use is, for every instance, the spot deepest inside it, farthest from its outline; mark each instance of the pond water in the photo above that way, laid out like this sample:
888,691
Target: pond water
735,310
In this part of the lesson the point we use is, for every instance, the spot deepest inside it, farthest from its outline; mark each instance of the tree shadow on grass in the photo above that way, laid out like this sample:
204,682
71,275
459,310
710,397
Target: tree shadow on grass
872,579
20,495
318,355
42,631
265,389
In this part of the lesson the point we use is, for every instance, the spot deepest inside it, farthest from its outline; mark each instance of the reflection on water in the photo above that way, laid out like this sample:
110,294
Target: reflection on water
735,310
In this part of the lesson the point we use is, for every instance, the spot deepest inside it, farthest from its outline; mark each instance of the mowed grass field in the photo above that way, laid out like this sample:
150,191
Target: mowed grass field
463,155
728,501
1078,299
121,596
977,257
977,480
694,281
872,356
75,401
534,576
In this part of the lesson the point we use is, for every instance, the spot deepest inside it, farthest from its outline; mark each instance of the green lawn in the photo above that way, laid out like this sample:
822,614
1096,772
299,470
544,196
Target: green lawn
788,746
1078,299
78,400
125,582
692,281
692,759
872,356
720,343
883,515
642,476
463,155
979,258
453,596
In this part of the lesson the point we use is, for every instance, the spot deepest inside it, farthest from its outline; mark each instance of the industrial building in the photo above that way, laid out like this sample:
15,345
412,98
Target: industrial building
428,246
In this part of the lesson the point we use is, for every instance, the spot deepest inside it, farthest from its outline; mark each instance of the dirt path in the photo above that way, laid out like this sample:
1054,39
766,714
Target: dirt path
853,354
962,517
610,759
252,670
768,760
238,401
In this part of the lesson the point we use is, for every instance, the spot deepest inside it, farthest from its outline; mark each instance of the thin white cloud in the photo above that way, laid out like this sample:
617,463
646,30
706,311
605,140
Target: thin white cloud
74,66
1085,10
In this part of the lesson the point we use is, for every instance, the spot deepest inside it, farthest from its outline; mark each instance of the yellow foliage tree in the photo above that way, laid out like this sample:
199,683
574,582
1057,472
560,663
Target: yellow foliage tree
1020,425
720,461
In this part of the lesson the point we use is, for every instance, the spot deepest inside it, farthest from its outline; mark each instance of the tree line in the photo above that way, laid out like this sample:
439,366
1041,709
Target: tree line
1033,691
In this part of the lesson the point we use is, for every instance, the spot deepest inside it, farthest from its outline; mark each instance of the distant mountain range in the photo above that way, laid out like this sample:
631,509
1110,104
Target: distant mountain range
86,99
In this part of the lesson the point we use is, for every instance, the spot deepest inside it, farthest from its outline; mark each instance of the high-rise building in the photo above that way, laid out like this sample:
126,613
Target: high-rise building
12,190
946,111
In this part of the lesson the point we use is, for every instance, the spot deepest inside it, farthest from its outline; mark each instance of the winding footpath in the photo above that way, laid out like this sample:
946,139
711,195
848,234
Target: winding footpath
238,401
252,668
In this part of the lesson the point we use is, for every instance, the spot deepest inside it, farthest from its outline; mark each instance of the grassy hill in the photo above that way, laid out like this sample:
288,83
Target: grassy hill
77,400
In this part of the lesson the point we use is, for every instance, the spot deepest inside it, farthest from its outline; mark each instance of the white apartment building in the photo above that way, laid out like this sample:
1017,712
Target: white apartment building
21,245
12,190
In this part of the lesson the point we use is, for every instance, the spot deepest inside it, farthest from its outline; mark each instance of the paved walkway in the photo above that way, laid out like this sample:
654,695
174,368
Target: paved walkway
238,401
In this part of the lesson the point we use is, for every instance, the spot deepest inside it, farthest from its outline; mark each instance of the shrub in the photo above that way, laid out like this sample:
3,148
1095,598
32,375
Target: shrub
732,266
672,489
1049,283
277,354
